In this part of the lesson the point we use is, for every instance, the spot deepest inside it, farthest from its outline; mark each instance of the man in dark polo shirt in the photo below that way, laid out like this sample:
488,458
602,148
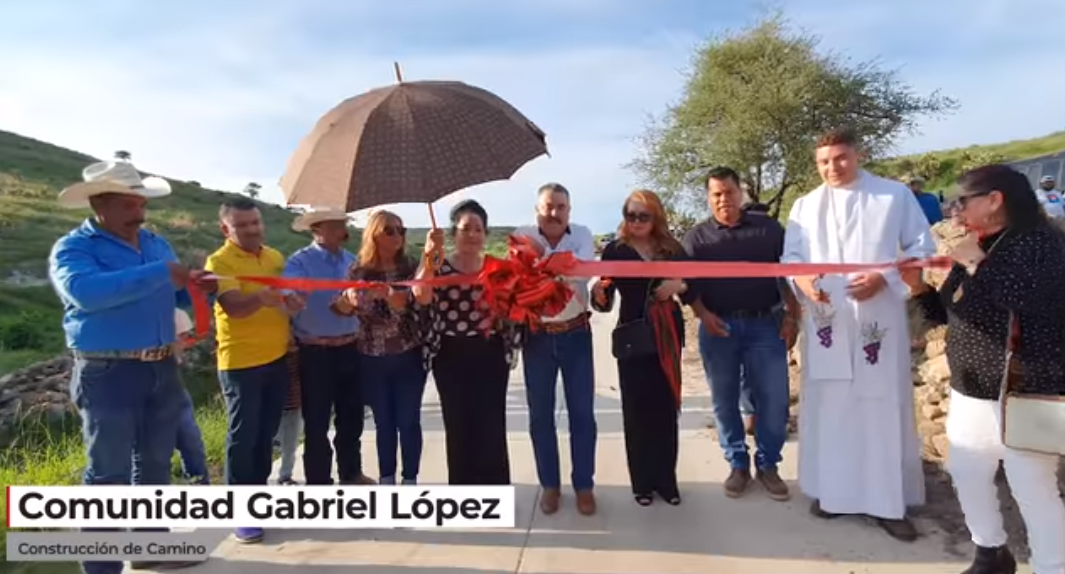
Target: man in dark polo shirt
748,325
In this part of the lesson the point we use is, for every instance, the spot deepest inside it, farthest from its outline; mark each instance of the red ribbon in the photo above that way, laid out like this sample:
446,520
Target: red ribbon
524,287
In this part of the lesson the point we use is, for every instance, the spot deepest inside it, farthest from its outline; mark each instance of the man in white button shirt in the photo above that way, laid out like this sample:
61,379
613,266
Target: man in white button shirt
1050,198
564,343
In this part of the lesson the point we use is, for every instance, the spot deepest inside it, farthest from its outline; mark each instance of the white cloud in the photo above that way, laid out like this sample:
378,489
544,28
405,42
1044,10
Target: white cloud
227,109
224,99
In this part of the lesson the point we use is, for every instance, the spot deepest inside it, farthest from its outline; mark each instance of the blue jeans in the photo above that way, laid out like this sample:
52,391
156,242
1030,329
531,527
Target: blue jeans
330,389
754,350
190,449
255,398
544,355
130,410
288,434
395,385
746,397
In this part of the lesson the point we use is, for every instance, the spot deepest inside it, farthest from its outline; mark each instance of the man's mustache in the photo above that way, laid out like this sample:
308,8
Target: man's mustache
135,223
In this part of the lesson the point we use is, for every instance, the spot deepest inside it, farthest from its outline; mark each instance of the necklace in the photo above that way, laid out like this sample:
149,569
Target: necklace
971,268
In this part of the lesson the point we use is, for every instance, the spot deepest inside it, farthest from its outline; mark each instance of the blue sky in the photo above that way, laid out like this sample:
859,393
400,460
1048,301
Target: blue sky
222,91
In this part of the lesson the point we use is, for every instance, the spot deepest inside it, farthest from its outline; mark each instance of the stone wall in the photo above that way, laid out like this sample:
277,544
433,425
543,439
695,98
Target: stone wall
39,393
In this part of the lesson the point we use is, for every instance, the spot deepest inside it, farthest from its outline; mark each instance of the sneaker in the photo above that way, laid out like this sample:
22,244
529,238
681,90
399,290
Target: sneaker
736,483
249,535
774,486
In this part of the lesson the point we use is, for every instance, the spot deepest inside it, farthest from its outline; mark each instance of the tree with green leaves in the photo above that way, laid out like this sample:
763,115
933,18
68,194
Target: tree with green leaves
123,155
757,100
252,190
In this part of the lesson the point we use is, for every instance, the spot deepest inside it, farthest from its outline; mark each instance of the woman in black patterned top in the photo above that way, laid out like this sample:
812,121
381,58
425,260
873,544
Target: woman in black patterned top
1012,263
471,370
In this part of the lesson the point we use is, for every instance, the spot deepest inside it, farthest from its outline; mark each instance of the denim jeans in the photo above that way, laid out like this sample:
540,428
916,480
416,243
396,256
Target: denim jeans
746,397
395,385
288,434
190,449
330,389
255,398
130,410
543,357
754,351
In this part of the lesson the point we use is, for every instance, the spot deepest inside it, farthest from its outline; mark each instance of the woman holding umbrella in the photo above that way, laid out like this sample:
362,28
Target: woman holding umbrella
471,370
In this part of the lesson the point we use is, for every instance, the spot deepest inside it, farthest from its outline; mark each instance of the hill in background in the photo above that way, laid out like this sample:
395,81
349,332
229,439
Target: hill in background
32,172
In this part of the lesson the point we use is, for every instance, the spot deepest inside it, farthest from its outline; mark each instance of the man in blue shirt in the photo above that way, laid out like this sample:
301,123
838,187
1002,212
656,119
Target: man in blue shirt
930,204
329,382
119,285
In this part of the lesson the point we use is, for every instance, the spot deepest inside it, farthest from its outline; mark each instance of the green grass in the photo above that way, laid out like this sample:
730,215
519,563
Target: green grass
54,455
953,162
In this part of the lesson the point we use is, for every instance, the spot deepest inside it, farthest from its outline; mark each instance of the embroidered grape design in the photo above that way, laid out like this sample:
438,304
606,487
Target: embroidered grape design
824,334
872,353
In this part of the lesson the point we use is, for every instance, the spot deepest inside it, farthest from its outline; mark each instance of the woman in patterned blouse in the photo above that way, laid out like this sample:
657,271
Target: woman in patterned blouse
390,344
471,370
1011,267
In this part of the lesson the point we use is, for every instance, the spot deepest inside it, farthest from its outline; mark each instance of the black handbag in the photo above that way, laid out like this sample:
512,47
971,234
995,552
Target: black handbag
635,338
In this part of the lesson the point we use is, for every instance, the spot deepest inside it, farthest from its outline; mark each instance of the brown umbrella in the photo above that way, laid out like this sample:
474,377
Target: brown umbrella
414,142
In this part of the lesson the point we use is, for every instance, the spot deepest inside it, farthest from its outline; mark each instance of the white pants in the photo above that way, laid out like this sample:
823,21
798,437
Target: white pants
974,433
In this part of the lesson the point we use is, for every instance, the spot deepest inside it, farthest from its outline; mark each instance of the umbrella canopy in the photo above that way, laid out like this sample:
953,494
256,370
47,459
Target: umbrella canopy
413,142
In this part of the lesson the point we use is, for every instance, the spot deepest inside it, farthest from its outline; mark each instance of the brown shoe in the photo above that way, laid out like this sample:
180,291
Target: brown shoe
549,500
586,502
815,509
361,480
901,530
748,424
774,486
736,483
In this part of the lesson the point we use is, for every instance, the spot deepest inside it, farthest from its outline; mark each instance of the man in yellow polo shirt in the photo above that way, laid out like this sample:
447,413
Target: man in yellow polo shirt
252,325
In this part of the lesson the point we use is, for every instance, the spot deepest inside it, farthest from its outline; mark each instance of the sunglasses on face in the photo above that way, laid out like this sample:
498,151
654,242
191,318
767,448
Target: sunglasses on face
638,217
394,230
959,203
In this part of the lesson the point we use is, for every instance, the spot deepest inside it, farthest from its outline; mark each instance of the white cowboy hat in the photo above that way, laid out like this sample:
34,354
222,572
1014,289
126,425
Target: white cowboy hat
112,177
1047,178
182,321
317,215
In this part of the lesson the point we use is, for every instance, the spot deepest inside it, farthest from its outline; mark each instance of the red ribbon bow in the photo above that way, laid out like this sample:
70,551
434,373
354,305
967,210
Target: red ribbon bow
523,287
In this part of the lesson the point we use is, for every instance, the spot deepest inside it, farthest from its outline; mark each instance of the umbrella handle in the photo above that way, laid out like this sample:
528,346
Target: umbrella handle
436,259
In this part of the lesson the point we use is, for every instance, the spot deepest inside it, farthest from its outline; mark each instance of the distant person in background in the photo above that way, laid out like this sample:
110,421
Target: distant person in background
931,205
189,440
120,285
1050,198
291,427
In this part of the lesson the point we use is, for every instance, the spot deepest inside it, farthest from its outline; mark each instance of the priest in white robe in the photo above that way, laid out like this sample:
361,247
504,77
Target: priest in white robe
859,451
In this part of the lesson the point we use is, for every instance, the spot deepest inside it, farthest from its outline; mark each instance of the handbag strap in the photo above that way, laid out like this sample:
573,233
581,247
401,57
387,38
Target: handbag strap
1013,336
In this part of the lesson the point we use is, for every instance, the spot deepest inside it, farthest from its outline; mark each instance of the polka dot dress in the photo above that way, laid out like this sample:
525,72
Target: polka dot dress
459,311
1023,273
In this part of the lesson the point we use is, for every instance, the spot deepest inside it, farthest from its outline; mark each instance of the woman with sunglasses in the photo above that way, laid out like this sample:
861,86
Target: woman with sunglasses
390,344
1009,272
470,354
647,342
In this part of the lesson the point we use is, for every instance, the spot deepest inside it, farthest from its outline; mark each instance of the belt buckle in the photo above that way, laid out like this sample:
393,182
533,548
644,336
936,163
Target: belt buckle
152,355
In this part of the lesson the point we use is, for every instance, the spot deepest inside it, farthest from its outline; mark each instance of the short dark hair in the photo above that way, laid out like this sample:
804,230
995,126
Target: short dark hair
553,187
1023,211
838,136
468,206
236,204
722,173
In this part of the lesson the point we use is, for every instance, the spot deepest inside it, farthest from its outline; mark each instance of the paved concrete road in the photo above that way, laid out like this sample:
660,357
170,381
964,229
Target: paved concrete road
708,533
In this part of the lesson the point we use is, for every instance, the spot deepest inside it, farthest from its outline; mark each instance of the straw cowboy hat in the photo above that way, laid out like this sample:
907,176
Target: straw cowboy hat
112,177
317,215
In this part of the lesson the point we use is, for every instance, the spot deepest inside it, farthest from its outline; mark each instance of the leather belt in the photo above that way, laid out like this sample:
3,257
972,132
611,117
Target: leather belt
754,314
337,341
152,355
556,327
